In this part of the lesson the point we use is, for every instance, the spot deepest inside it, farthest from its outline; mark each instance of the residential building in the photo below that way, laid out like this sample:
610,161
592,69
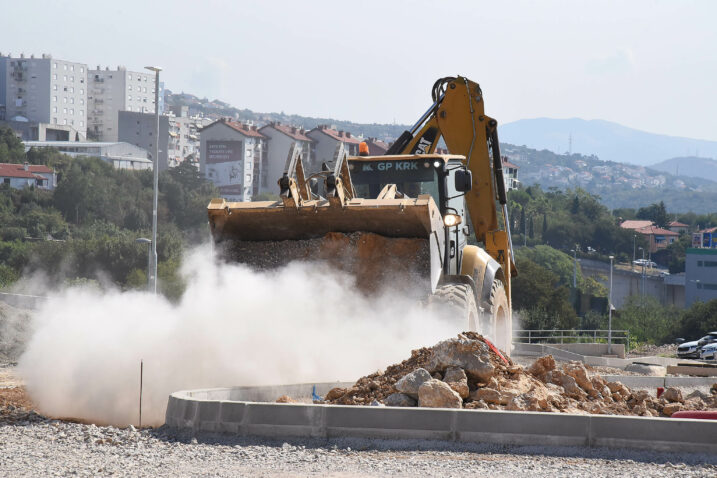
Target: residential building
657,237
4,60
510,175
326,140
678,227
232,155
112,91
19,176
184,136
46,90
120,155
376,147
280,138
139,129
706,238
700,275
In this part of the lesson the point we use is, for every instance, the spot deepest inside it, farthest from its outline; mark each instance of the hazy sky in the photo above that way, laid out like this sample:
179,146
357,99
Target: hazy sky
650,65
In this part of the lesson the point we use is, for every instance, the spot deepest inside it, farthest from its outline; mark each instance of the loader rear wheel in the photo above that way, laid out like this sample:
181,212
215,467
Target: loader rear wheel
459,302
499,326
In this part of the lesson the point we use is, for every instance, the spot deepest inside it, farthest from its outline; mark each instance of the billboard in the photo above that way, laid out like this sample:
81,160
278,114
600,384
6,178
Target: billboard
224,152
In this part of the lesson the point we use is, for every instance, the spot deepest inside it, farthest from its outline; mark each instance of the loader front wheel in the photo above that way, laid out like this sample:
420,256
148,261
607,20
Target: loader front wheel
497,324
458,303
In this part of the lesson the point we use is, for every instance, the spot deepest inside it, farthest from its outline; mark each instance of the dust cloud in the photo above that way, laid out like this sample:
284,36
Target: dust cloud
233,326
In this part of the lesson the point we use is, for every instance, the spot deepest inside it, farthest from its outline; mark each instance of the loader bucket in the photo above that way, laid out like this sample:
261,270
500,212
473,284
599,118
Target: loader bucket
375,240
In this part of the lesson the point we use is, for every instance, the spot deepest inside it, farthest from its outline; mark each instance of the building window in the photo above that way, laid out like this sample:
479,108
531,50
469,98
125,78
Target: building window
72,101
64,77
54,120
72,111
710,264
82,69
72,67
64,67
82,101
82,91
64,99
54,76
129,77
82,123
54,98
54,87
54,109
82,112
72,78
64,111
129,97
64,121
72,90
54,65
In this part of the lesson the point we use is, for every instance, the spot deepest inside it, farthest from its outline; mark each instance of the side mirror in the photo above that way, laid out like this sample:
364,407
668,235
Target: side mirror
464,180
679,341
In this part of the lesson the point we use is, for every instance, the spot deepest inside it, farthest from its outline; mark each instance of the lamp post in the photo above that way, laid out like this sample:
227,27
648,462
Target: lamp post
643,271
609,313
153,256
144,240
634,238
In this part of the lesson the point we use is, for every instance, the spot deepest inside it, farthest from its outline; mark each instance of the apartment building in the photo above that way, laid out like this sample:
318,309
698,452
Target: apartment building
232,155
112,91
510,174
139,129
326,139
45,90
184,136
19,176
120,155
280,138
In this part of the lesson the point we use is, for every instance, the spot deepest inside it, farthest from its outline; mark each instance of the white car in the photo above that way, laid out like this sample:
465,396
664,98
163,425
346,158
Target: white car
688,350
709,352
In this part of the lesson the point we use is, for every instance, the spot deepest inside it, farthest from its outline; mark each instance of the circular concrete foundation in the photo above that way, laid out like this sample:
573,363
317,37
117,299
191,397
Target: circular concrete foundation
253,411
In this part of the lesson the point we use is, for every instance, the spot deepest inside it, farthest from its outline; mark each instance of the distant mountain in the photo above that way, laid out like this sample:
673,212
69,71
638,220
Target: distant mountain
608,141
690,166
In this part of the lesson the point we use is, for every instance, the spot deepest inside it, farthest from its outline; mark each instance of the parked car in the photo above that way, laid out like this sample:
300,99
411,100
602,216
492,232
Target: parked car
707,339
688,350
709,352
644,262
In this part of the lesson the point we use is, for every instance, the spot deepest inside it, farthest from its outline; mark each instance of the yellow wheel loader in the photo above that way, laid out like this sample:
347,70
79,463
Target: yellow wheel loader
399,221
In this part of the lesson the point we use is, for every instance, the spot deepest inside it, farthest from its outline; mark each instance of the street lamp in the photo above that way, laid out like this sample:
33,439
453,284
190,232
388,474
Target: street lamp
634,238
153,256
643,271
609,313
144,240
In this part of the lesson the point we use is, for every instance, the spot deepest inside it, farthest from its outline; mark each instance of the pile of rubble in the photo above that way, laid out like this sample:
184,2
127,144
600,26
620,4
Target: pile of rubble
466,372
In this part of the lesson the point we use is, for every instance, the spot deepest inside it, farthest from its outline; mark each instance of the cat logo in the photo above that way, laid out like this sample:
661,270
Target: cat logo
422,146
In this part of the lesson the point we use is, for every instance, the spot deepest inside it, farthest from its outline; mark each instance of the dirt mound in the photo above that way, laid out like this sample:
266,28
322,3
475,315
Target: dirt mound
481,378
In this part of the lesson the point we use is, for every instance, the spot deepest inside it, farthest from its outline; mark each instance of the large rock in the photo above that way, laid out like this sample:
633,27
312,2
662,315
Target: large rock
541,368
437,394
645,369
335,393
399,400
671,408
456,378
488,395
578,372
473,356
673,394
409,384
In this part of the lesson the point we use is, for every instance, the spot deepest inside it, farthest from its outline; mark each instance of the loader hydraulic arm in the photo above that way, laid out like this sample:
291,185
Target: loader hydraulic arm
458,116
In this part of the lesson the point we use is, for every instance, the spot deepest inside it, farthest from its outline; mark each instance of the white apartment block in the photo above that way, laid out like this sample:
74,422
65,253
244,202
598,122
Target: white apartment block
45,90
281,137
184,136
326,140
112,91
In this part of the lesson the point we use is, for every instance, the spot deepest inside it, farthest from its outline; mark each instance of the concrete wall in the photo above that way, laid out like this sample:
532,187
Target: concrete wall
596,350
628,283
218,411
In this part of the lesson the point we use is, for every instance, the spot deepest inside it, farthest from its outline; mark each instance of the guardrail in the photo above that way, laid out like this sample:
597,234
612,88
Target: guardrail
577,336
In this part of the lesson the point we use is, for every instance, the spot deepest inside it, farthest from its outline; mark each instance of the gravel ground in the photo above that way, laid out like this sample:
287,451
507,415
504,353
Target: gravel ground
38,447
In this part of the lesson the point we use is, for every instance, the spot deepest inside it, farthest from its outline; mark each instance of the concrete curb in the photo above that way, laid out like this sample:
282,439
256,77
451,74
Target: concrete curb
223,410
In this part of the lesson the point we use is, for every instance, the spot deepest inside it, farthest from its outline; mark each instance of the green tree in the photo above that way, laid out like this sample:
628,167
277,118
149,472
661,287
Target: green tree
694,322
11,148
539,297
646,319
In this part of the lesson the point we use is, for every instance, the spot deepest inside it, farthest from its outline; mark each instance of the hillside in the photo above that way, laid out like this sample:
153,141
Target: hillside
617,184
217,109
690,166
609,141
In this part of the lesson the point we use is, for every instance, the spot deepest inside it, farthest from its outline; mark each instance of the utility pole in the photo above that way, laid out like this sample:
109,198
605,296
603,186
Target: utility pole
609,313
156,70
634,237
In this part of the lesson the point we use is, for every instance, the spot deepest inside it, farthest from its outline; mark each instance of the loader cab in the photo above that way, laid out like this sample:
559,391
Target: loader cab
443,177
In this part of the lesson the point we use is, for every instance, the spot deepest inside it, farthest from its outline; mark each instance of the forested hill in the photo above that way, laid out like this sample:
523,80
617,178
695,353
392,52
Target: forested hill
619,185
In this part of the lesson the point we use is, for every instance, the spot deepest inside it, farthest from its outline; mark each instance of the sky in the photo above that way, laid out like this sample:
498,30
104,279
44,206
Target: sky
649,64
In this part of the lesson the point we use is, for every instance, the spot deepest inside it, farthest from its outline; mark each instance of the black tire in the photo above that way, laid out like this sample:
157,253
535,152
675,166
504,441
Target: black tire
458,302
496,322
